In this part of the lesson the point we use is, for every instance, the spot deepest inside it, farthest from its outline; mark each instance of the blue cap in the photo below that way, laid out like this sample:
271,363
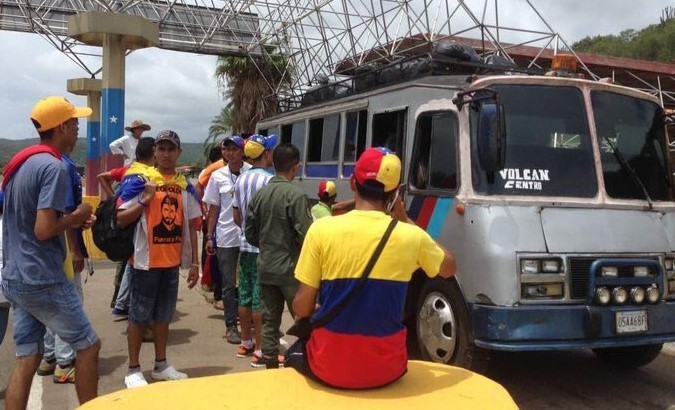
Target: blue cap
257,144
236,139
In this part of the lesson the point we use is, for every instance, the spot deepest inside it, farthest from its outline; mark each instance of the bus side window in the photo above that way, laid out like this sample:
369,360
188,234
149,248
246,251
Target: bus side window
435,162
323,143
355,140
389,131
323,147
295,134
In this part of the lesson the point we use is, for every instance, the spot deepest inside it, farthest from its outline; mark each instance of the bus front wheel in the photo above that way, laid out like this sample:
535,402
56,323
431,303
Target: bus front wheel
629,356
443,326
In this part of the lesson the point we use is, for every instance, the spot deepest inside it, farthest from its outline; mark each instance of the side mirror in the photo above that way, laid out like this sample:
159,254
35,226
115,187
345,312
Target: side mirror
491,137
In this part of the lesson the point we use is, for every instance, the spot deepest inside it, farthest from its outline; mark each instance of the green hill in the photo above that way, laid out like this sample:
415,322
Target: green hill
193,153
655,42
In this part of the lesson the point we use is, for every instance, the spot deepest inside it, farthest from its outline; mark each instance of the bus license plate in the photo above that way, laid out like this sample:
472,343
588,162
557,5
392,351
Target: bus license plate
631,321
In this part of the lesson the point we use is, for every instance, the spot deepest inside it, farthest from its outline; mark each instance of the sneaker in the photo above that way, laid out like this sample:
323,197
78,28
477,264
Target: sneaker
170,373
120,314
135,380
232,335
243,351
262,362
47,367
63,375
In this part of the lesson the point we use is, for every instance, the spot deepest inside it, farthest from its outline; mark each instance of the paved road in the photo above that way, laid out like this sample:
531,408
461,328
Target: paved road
551,380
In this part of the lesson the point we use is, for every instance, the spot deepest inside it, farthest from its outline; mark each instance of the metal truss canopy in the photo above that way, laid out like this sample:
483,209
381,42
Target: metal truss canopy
183,26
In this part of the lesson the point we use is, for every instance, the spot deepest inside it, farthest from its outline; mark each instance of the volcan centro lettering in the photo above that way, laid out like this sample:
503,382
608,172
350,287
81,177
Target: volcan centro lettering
516,174
527,178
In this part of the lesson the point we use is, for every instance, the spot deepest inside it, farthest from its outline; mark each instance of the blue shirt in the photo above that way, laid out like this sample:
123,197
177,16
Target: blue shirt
40,183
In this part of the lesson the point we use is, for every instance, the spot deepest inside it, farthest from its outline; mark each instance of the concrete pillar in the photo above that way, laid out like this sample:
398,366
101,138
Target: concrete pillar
90,87
112,127
116,33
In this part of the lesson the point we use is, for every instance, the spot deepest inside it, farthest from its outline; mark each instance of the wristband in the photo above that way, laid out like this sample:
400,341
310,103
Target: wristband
196,265
141,203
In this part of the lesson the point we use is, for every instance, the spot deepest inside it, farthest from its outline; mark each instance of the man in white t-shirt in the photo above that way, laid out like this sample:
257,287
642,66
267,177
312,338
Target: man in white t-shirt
219,194
126,145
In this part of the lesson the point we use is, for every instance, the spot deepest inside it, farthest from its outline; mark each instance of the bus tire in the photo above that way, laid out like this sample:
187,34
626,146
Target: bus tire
628,356
444,328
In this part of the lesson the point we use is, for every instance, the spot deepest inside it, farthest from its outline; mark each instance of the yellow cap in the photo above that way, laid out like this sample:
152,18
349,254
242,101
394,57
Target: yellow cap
51,111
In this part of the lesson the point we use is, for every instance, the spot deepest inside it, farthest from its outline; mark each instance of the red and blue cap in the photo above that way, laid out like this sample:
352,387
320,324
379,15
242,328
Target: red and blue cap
378,169
327,189
234,139
257,144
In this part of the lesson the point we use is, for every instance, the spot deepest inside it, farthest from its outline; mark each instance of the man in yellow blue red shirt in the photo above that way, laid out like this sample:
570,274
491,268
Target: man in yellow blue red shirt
364,345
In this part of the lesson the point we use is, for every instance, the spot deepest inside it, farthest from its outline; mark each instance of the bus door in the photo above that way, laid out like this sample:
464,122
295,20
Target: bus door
433,179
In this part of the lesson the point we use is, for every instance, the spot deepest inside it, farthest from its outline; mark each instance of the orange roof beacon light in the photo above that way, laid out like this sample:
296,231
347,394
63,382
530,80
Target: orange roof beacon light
564,65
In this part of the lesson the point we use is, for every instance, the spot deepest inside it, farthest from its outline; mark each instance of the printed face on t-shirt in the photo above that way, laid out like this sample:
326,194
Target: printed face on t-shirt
168,214
166,228
165,218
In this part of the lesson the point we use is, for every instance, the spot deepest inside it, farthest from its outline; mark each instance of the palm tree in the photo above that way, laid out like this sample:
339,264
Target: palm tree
221,127
253,85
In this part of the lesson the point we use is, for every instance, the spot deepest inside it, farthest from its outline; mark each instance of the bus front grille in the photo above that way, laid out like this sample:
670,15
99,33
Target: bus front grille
579,271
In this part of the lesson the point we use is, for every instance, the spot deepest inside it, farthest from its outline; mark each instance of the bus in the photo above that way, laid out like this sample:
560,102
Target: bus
554,193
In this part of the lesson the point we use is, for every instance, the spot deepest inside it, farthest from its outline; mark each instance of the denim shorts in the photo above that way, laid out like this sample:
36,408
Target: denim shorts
153,295
56,306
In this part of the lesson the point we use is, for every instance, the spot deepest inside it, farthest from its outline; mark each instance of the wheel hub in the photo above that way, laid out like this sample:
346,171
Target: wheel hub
436,328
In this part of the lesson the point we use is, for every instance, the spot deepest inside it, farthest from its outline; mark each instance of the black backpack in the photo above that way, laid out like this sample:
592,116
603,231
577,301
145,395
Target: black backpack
118,244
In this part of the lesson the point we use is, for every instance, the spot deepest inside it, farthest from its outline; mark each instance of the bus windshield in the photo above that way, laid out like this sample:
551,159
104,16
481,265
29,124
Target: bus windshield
635,128
549,150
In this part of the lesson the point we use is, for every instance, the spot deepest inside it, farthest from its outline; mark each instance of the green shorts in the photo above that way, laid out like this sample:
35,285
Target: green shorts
249,287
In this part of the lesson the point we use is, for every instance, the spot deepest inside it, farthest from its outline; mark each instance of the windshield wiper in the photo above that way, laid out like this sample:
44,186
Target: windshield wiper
631,171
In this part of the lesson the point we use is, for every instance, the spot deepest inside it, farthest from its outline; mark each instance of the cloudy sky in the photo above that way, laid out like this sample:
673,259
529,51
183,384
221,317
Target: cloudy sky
177,90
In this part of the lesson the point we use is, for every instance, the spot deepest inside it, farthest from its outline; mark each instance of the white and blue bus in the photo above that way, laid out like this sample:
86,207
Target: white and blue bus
555,195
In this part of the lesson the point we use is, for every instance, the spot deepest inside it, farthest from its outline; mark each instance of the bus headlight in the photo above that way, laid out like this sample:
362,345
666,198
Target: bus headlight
637,295
603,295
619,295
550,265
611,271
543,290
529,266
653,294
640,271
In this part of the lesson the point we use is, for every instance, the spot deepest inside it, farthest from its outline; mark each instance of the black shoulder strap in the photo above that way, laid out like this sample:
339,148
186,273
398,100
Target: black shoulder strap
322,321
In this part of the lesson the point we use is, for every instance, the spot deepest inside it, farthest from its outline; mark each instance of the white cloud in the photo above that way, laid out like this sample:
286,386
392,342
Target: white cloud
163,88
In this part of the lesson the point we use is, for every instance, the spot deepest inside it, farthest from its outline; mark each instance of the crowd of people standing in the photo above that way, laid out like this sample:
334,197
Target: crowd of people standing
270,247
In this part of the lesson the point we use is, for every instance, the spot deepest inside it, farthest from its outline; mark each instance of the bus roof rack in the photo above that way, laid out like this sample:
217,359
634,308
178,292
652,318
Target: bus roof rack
447,58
